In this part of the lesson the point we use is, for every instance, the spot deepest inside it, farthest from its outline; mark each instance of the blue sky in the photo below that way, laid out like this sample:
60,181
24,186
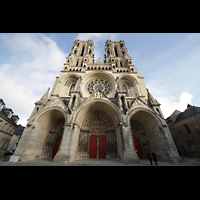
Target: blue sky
169,63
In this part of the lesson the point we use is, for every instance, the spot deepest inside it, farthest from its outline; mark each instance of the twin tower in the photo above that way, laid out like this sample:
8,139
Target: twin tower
99,110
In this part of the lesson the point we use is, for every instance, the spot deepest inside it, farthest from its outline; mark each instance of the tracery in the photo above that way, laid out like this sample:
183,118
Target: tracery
100,84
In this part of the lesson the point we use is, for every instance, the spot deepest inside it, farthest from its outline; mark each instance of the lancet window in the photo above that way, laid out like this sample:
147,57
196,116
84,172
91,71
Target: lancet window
126,89
71,88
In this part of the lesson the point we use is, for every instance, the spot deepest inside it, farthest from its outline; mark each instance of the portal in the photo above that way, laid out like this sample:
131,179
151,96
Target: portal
97,138
102,146
93,146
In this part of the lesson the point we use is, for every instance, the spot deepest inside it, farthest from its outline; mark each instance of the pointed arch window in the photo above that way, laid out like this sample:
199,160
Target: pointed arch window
82,50
116,52
71,88
126,89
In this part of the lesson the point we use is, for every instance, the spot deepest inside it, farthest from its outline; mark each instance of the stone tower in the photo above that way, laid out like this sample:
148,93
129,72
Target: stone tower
97,110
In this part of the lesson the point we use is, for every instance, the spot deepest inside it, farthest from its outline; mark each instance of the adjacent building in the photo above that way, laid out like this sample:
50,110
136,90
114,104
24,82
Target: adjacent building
185,130
8,124
15,138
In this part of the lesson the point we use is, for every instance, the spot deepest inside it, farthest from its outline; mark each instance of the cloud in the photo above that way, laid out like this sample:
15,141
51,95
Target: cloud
170,104
191,36
173,71
31,67
97,36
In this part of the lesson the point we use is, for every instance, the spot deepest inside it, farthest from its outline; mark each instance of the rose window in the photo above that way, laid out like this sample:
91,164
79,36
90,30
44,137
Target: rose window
102,85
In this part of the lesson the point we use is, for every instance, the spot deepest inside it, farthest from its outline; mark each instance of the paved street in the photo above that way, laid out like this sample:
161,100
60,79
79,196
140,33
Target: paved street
98,162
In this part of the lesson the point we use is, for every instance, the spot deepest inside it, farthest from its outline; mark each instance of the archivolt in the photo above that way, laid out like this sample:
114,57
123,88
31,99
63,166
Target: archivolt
131,79
137,127
48,111
58,126
96,75
98,120
65,78
97,105
146,112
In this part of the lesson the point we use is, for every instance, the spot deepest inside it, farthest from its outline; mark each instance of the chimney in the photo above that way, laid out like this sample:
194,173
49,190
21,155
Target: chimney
15,118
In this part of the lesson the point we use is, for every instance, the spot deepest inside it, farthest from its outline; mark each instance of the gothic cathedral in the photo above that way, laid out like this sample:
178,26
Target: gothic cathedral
99,110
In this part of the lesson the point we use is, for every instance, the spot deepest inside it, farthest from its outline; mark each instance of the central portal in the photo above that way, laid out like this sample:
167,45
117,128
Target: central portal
97,146
102,146
97,137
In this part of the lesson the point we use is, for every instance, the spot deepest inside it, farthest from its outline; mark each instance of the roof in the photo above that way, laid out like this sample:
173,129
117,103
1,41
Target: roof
193,110
173,116
1,100
5,112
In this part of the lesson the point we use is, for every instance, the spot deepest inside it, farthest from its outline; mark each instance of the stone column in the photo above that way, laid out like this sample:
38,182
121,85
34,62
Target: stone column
70,101
125,103
120,102
138,89
129,155
173,152
118,64
74,142
63,154
76,101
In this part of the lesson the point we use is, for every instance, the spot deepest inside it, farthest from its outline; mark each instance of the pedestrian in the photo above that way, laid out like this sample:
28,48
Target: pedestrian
149,157
154,158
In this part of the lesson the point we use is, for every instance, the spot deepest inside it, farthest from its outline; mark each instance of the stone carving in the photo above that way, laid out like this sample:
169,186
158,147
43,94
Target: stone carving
56,101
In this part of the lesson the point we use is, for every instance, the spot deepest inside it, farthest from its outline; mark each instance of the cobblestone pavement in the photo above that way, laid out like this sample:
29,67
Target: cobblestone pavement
187,161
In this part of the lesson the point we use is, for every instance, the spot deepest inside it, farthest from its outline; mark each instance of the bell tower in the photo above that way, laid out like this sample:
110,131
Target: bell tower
81,55
117,55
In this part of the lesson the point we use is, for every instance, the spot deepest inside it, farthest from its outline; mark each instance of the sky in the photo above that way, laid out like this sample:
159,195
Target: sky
30,62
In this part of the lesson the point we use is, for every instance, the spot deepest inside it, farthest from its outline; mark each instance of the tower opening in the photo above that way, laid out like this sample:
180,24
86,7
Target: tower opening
82,51
116,52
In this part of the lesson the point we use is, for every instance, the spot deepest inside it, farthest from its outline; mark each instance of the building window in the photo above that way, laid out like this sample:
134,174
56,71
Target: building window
82,51
9,129
2,142
116,52
100,84
5,127
158,111
187,128
126,89
71,88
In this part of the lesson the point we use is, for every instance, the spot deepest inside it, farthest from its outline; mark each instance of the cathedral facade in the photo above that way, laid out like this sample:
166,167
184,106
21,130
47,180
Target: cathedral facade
97,110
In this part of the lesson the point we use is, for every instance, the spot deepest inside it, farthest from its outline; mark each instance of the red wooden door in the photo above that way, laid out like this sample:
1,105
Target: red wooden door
93,146
102,146
137,147
56,146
